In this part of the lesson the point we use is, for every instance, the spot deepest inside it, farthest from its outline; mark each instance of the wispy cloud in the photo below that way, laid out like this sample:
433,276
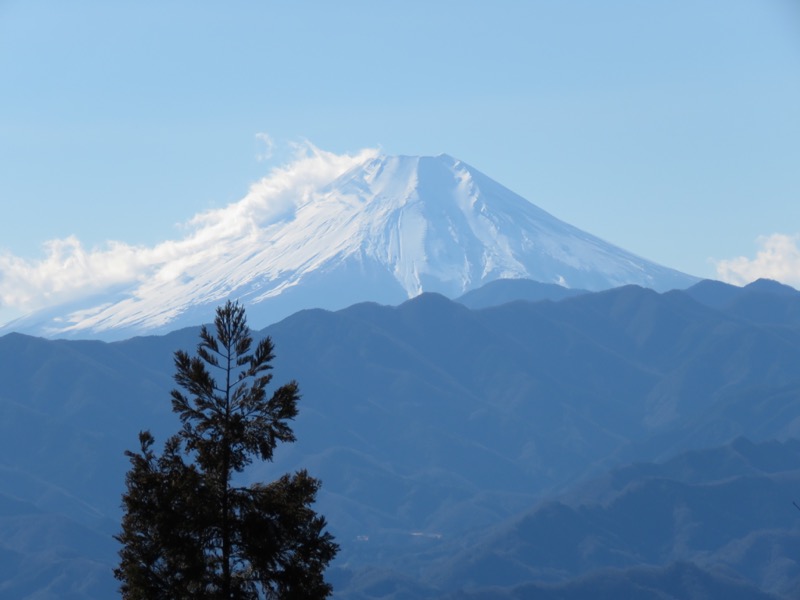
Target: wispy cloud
778,258
69,271
266,146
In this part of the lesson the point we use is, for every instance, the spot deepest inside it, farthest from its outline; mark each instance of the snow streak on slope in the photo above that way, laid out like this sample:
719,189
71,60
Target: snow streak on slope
386,229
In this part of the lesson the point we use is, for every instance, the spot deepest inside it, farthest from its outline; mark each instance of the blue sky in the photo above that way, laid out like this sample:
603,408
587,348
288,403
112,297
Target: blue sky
668,127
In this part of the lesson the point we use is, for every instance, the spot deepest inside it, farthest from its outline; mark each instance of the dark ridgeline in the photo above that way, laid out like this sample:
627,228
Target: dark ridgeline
446,435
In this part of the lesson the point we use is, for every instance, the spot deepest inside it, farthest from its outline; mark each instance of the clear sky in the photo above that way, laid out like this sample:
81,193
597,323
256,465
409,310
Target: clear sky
668,127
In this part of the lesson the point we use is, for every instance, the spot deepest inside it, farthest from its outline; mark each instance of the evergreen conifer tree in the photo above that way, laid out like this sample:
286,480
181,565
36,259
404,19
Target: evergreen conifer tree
188,531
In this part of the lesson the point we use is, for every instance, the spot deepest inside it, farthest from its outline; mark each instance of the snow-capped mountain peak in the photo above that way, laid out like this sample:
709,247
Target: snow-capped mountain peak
384,230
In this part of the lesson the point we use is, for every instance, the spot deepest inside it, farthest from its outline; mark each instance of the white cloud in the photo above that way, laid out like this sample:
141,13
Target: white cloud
68,271
267,146
778,259
276,196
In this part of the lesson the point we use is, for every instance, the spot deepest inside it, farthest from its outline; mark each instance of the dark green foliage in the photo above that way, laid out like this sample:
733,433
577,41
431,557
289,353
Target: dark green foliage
188,532
162,554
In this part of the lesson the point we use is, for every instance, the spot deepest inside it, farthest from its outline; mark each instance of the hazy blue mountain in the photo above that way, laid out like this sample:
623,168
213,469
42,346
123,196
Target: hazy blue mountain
763,301
45,554
502,291
429,423
678,581
69,410
715,294
727,508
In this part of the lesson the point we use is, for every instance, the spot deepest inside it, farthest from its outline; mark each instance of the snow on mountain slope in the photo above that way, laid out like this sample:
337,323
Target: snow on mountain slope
385,230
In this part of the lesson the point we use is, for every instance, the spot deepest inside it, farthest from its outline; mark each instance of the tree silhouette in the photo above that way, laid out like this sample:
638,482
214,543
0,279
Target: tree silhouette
188,531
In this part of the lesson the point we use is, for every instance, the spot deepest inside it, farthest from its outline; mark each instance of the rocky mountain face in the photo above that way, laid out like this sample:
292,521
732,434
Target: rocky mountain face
385,231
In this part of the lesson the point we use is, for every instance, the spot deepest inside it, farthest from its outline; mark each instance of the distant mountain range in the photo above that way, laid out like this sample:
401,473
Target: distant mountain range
385,231
725,509
637,443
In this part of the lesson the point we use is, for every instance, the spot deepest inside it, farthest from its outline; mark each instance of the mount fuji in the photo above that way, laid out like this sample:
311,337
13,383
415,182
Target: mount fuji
385,230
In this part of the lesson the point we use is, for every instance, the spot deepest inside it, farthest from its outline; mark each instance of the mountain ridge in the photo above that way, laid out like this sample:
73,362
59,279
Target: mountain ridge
430,423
